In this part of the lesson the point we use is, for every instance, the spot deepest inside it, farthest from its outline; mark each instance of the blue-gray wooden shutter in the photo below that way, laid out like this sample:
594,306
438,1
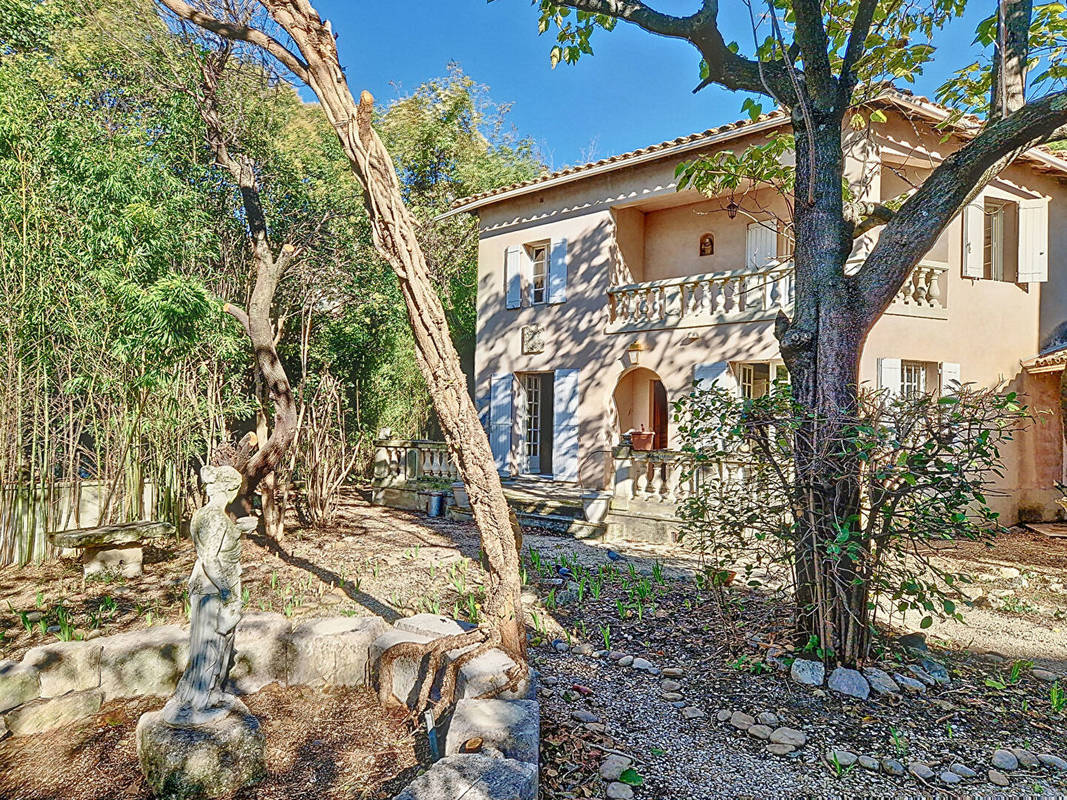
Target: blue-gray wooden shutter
513,276
500,400
557,271
565,425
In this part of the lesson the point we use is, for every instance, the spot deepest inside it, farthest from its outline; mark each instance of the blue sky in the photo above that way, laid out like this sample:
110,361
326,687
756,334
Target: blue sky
635,90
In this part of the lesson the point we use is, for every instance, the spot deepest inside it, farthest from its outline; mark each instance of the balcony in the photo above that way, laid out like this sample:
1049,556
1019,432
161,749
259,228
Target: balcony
719,298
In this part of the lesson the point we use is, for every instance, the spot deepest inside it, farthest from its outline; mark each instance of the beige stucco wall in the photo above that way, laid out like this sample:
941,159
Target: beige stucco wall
631,225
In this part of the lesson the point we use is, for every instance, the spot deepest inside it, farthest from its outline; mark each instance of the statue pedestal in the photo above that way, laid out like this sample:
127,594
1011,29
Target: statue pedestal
206,761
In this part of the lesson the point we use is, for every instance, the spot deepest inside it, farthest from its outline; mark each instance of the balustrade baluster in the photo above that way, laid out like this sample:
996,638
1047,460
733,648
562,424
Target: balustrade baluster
933,288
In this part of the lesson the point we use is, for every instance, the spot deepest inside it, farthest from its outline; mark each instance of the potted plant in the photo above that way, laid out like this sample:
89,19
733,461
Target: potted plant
642,439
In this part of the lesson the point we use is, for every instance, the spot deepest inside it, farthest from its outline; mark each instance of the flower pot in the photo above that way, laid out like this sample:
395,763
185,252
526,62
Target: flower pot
459,495
642,440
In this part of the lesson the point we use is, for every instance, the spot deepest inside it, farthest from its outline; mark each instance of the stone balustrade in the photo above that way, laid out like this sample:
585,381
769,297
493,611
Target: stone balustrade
400,461
665,476
718,298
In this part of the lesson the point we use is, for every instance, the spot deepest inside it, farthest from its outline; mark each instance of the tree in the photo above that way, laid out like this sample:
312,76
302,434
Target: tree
313,59
821,62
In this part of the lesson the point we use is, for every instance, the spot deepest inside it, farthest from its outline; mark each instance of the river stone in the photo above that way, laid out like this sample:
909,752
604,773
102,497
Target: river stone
672,696
212,760
880,681
909,685
963,770
920,770
790,736
643,665
913,641
921,674
935,669
723,714
1044,675
1026,758
950,777
693,713
65,666
868,763
474,776
890,766
619,791
42,715
625,661
584,716
841,758
1052,762
997,778
778,749
670,685
1004,759
849,682
768,718
759,732
673,672
614,766
742,721
19,684
809,673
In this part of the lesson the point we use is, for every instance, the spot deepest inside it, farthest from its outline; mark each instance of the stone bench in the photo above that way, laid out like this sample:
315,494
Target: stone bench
112,548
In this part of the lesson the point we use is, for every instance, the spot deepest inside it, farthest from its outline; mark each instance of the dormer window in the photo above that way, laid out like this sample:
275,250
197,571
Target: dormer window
707,245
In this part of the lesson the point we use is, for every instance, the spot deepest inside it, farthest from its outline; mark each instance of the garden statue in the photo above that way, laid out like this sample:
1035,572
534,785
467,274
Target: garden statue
214,606
205,743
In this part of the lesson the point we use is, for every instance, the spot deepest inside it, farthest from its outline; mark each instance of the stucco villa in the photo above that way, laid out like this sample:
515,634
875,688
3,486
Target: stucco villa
604,292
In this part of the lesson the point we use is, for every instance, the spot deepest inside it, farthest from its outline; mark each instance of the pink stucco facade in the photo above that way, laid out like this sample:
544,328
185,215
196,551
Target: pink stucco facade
625,224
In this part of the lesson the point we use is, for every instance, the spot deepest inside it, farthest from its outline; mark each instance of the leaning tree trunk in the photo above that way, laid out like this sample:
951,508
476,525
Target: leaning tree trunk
259,471
821,346
393,227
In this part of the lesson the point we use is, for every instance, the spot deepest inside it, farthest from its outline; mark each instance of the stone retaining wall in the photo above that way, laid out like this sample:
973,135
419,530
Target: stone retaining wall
57,684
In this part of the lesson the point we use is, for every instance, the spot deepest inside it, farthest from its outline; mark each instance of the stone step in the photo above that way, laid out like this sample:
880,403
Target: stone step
558,523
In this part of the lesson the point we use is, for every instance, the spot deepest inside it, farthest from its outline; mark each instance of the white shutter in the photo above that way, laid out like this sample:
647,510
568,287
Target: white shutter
513,276
889,375
951,379
973,258
565,425
1033,240
718,374
500,419
761,245
557,271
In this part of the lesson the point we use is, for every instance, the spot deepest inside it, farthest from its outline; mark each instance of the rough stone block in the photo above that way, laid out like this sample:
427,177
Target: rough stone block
18,684
334,651
261,652
145,662
66,666
432,625
474,777
126,560
487,673
42,715
511,726
407,672
206,761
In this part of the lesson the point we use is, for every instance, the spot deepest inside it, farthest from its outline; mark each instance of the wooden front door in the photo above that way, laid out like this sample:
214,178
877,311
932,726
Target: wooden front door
659,415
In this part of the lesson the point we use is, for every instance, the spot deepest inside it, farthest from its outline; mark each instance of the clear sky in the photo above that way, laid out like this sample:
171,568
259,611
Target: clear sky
636,89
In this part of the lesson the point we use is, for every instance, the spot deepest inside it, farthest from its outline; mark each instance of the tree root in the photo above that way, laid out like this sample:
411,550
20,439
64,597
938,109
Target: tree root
483,639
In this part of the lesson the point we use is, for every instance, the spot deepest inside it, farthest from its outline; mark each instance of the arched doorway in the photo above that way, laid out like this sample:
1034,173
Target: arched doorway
641,405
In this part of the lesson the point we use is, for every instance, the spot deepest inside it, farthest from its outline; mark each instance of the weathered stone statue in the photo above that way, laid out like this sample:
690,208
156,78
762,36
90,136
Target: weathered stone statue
205,742
214,606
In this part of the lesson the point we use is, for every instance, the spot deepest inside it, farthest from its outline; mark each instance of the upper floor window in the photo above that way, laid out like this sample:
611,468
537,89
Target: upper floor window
538,272
994,240
707,245
913,378
1006,239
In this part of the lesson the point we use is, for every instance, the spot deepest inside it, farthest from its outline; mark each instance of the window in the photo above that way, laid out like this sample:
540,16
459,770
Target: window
538,273
531,434
913,378
755,380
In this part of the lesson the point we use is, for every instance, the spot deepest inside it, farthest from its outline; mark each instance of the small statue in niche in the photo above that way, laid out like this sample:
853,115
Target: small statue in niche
214,608
707,245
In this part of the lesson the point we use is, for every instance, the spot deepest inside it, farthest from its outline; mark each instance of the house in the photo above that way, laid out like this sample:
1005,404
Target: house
604,292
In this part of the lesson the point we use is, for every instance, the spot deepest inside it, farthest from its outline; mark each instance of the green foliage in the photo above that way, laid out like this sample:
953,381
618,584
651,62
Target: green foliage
924,467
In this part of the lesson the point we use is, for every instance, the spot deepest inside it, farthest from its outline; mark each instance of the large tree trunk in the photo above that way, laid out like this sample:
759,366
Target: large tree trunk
821,348
393,227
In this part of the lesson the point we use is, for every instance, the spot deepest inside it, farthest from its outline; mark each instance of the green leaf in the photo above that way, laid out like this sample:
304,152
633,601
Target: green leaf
632,777
878,116
926,622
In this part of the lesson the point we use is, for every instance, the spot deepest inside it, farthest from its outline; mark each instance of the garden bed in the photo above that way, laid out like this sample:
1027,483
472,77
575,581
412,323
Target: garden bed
330,743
